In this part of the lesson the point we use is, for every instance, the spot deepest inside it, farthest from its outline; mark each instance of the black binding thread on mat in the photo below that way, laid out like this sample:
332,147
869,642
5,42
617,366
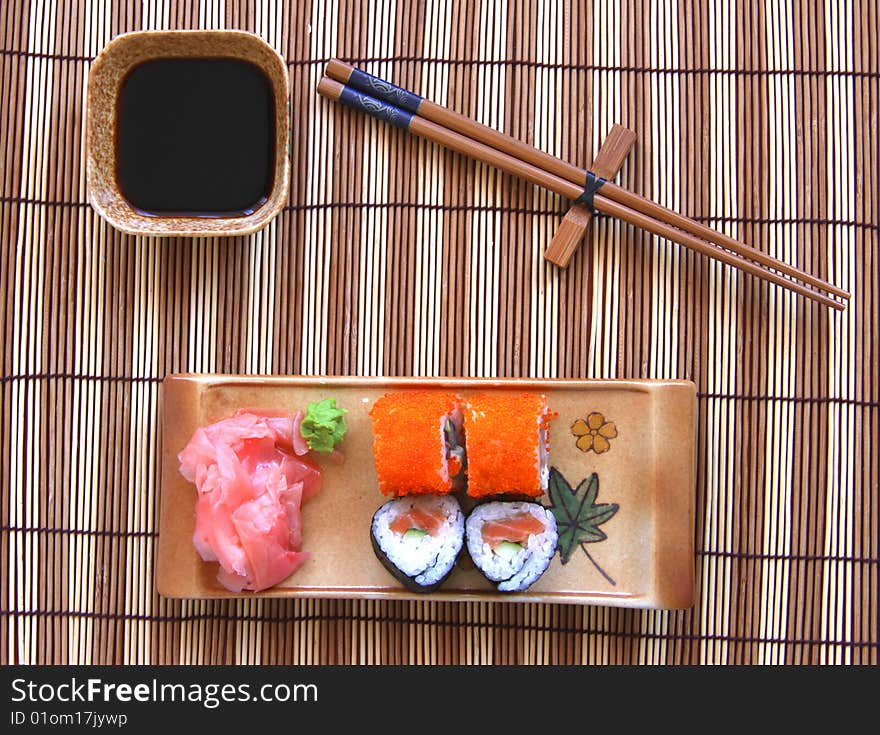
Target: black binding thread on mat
591,186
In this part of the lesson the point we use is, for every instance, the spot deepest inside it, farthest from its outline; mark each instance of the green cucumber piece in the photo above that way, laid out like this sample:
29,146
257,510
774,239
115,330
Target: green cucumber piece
413,534
508,549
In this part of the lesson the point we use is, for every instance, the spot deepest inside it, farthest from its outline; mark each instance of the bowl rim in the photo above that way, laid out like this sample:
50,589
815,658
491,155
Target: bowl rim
108,201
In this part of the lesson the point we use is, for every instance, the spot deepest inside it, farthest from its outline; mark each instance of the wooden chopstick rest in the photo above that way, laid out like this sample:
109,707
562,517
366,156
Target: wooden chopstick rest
608,162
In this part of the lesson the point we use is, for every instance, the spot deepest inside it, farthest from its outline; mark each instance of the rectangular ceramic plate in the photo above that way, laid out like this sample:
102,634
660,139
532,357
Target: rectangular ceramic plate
645,559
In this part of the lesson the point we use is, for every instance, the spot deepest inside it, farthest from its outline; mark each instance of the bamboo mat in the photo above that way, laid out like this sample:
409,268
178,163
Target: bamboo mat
394,257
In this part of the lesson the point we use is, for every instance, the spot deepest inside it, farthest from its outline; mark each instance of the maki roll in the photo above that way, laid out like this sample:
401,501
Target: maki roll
417,443
512,543
418,539
507,444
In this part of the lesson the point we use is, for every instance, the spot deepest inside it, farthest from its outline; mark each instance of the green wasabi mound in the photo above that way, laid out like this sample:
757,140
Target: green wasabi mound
323,427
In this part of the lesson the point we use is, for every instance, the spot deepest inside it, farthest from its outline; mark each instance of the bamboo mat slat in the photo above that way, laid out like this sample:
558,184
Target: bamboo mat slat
393,257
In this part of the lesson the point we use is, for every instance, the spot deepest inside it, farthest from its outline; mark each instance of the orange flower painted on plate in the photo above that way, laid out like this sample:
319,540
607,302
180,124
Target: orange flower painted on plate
594,434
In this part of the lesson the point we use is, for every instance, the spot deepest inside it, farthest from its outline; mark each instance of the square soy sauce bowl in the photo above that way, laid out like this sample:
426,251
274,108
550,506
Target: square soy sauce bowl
188,133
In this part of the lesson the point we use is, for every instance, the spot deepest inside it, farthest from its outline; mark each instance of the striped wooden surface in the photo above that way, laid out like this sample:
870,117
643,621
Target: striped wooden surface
394,257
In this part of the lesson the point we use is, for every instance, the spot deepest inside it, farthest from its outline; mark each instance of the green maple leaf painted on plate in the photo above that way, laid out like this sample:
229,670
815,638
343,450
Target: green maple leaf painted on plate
578,515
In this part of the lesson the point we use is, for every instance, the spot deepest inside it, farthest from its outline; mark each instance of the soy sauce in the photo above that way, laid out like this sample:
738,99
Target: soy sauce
195,137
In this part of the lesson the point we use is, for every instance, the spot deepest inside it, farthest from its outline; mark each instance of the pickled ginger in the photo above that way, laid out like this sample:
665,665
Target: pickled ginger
252,478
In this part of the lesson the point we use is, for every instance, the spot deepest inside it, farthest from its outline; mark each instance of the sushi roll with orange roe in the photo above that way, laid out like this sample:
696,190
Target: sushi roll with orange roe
507,444
417,443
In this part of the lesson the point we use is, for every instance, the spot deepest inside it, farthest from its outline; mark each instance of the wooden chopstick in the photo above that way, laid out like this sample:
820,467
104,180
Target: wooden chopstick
379,88
656,211
407,119
347,74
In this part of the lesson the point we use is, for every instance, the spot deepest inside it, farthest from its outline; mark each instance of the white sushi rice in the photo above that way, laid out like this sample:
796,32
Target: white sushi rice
543,453
426,559
513,572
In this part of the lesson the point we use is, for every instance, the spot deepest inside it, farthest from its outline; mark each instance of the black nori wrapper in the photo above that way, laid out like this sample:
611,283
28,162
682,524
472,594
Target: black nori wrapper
407,581
494,583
